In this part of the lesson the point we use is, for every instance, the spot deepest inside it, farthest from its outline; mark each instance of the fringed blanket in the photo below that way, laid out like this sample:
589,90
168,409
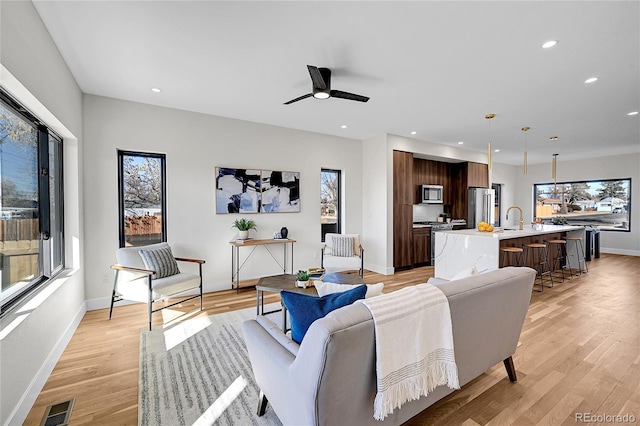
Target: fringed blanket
414,346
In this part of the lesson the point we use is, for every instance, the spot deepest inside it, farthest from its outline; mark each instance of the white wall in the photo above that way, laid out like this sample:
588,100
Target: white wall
194,145
376,205
35,333
614,167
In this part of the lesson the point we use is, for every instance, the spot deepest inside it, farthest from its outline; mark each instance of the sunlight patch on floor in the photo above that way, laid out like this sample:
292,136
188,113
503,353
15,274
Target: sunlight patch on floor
216,409
181,331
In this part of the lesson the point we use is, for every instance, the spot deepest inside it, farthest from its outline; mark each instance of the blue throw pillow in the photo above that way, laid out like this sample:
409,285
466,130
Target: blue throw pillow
304,309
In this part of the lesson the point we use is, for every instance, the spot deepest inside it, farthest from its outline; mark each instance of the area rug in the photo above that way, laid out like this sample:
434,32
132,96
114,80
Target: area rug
198,373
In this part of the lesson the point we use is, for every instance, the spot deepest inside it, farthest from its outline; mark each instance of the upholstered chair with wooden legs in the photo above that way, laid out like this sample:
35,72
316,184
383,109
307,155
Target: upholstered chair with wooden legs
150,274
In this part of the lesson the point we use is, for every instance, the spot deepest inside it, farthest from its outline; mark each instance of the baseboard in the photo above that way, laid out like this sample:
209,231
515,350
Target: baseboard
20,413
619,251
379,269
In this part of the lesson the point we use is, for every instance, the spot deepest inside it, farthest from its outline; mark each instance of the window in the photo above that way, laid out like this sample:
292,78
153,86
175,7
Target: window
142,201
330,201
31,203
602,204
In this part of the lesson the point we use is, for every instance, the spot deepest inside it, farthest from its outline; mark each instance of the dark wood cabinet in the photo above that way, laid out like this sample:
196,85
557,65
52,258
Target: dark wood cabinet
402,177
412,246
403,198
428,172
477,175
421,246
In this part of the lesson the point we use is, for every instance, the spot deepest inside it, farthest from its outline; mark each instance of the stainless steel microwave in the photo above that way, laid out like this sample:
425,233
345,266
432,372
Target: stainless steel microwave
431,194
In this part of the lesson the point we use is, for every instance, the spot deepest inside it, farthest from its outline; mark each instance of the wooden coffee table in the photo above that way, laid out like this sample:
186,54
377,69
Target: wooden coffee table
277,283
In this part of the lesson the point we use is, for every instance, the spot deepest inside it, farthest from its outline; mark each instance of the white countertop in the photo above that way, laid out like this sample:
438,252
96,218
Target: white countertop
508,234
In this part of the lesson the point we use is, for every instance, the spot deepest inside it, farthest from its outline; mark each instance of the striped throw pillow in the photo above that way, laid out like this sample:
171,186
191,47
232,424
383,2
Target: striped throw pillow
342,246
160,260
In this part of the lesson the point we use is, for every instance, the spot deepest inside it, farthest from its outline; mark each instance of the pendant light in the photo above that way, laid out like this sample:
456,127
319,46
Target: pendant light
554,166
554,160
524,160
489,117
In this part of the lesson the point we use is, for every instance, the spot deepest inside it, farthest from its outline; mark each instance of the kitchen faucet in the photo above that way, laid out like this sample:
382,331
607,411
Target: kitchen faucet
521,221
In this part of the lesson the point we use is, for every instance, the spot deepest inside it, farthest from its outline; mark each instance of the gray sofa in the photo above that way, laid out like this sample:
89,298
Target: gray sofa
330,379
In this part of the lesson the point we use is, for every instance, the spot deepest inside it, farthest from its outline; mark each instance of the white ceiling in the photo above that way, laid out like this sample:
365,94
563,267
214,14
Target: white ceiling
436,68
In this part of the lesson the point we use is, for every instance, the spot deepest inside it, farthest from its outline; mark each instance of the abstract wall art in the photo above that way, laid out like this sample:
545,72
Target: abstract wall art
237,190
280,191
256,191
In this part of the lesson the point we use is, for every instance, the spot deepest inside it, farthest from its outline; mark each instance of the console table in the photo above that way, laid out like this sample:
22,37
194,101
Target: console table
255,243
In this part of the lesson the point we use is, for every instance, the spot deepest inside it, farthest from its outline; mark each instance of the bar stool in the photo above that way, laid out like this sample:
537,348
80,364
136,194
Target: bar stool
516,256
540,254
577,241
559,256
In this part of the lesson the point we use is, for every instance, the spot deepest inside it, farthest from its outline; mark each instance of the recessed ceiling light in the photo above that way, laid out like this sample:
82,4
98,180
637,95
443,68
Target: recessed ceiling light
549,44
632,113
496,150
344,126
156,90
591,80
554,138
413,133
460,143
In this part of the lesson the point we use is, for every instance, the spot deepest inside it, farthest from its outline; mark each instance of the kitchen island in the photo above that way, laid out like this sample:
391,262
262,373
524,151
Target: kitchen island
462,250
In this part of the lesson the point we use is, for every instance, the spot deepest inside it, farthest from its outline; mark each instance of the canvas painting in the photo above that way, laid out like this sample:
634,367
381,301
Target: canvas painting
237,190
280,191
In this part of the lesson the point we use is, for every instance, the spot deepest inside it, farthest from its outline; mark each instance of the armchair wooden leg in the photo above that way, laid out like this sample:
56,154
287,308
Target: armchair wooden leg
262,404
113,294
511,369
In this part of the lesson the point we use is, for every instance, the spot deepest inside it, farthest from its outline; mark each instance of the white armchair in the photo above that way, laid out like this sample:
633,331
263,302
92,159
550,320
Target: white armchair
149,274
337,256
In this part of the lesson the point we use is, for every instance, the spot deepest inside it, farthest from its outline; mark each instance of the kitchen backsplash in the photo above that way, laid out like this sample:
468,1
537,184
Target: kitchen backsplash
426,212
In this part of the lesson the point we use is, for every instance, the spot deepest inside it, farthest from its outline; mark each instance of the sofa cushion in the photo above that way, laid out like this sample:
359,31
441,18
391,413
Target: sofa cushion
342,246
325,288
304,309
160,260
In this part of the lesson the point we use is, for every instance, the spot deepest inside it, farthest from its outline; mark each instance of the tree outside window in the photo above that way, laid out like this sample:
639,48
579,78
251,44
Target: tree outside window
142,198
330,201
31,233
602,204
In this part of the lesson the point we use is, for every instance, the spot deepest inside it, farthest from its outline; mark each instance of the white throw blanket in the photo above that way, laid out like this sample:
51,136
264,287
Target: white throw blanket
414,345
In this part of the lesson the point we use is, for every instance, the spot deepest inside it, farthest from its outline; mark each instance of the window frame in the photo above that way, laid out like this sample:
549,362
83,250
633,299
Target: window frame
121,207
338,201
46,268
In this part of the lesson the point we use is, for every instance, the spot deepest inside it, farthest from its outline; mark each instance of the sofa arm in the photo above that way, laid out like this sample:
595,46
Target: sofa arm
275,371
275,332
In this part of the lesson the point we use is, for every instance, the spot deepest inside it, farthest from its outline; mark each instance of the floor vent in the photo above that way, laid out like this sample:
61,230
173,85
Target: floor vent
58,414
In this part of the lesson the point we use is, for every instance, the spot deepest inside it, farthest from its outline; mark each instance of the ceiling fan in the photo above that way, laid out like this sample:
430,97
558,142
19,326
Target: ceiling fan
321,88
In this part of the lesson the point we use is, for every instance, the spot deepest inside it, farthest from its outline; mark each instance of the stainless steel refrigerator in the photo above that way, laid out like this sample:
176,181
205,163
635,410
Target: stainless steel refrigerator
481,206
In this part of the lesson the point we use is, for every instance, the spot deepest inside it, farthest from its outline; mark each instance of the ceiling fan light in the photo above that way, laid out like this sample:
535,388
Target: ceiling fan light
321,95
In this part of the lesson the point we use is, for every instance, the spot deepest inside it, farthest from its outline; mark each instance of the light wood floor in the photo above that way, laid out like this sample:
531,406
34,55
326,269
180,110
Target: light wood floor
579,353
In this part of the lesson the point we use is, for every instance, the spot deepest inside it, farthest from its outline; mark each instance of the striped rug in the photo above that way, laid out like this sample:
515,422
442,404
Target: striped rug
198,373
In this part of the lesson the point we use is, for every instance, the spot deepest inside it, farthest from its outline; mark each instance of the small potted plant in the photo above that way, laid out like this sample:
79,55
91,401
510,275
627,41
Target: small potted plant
302,279
243,225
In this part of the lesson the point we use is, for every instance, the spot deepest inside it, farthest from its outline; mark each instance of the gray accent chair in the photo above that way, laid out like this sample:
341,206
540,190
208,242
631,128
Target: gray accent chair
132,281
330,379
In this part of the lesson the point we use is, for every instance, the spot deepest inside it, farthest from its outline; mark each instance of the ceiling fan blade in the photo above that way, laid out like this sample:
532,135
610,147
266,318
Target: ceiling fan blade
347,95
298,99
316,77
